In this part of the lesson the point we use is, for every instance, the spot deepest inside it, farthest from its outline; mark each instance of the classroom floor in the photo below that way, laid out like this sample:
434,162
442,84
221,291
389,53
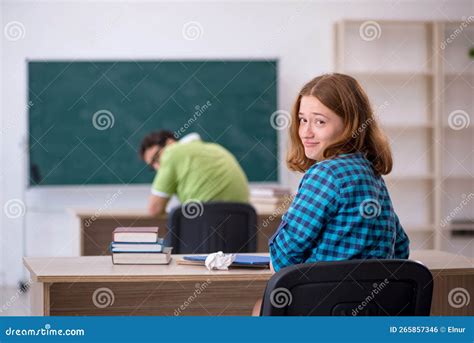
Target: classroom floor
13,302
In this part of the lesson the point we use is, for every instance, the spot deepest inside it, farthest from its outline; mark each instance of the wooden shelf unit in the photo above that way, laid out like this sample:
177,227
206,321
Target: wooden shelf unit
416,74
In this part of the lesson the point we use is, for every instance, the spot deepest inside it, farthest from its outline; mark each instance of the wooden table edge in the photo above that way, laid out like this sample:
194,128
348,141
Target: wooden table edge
152,278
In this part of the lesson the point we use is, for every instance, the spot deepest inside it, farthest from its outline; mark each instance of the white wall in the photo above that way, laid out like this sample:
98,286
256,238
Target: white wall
299,34
2,164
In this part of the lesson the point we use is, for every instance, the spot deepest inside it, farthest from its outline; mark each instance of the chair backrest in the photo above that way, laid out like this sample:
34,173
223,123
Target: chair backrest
200,228
350,288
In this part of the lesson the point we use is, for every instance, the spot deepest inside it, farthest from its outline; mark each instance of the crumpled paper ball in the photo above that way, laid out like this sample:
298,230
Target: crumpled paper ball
219,260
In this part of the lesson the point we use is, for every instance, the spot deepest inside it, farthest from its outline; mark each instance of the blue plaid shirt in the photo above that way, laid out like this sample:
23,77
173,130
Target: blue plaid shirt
342,211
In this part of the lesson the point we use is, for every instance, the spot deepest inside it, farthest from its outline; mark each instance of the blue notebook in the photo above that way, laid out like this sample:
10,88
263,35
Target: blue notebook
243,260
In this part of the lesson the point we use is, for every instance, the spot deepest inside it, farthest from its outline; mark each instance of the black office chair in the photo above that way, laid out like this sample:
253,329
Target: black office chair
350,288
201,228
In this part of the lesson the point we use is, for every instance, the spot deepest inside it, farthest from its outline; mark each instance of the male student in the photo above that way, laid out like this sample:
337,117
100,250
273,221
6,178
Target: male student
191,169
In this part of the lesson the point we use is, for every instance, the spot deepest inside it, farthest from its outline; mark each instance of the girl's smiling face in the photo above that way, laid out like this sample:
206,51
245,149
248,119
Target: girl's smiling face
319,127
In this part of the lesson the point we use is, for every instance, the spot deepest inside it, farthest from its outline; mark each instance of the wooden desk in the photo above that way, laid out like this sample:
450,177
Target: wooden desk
96,227
66,286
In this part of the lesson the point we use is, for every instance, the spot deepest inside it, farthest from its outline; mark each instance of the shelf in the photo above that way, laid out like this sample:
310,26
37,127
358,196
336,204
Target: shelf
420,177
421,90
470,127
389,74
461,73
451,227
459,178
427,126
389,22
419,228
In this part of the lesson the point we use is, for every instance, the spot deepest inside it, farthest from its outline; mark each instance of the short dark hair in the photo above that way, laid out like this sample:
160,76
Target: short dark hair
158,138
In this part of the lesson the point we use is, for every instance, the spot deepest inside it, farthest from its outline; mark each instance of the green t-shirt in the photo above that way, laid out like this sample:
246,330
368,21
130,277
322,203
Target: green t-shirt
200,171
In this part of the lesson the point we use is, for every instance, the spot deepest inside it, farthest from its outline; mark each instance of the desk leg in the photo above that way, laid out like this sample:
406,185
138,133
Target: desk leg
39,299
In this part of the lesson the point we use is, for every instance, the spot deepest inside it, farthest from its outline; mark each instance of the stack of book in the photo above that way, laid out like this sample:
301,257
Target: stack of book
139,245
270,199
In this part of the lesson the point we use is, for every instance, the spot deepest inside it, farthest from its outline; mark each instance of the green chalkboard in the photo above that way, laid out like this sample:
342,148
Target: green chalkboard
87,119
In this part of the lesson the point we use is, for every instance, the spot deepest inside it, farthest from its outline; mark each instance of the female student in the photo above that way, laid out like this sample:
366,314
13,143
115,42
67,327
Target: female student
342,209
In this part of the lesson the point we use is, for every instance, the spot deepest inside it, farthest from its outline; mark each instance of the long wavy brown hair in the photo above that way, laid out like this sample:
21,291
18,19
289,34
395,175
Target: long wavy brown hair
343,95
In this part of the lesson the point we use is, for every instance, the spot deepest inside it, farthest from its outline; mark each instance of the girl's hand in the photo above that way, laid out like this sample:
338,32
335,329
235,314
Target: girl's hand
271,267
